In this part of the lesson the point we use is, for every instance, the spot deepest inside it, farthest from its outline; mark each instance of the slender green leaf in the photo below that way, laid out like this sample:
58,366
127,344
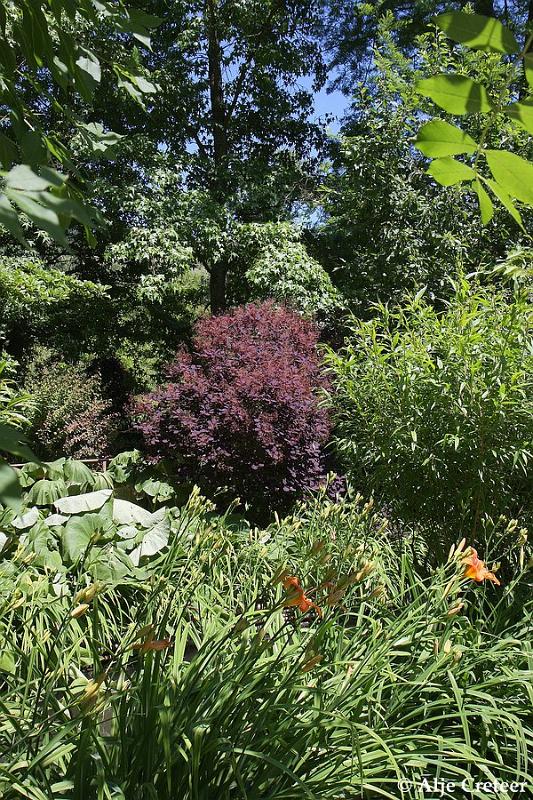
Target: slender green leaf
528,68
485,203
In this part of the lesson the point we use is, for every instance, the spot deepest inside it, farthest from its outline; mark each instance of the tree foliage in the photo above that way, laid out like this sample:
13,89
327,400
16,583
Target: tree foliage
47,71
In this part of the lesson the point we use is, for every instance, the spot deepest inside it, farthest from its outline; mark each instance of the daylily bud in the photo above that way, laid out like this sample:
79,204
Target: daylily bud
79,611
89,593
455,610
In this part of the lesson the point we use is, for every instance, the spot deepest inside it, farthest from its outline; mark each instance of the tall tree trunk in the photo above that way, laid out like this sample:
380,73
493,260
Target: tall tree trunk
217,288
529,25
485,7
525,89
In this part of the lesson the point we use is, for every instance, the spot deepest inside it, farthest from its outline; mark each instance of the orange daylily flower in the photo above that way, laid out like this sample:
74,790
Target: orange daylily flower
150,643
476,569
297,596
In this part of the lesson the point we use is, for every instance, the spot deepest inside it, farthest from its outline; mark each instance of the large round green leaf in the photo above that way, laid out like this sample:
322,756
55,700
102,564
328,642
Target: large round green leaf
78,504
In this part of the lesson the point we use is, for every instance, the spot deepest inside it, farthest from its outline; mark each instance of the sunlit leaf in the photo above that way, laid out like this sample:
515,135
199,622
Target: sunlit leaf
522,113
478,32
78,504
513,173
456,94
485,203
447,171
438,138
506,202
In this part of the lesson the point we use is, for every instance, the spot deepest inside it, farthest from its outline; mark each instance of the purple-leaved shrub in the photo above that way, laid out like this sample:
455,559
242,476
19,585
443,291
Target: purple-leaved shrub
241,412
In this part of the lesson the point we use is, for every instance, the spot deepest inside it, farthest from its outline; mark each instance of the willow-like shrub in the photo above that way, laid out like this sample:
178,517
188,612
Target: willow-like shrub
434,409
241,411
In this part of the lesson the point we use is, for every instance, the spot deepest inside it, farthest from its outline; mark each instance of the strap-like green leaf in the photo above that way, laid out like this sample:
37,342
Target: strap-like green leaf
478,32
485,203
438,138
456,94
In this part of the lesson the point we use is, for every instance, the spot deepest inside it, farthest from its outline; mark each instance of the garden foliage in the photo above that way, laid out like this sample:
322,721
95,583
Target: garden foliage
198,674
434,410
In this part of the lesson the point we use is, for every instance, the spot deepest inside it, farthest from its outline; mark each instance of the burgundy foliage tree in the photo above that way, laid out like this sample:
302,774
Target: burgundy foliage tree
242,411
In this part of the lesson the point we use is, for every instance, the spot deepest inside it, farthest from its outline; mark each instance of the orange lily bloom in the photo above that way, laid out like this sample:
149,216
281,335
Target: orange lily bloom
151,644
297,596
476,569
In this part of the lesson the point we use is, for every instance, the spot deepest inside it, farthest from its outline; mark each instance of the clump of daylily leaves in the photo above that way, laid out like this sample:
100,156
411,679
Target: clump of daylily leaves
509,177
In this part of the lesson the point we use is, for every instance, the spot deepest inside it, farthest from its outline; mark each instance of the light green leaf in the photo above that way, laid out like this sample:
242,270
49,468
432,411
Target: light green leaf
478,32
438,138
75,538
79,504
80,531
522,113
7,661
55,520
455,94
44,218
153,542
447,171
109,565
78,472
146,87
485,203
64,206
23,177
26,520
45,492
126,513
506,202
89,73
513,173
